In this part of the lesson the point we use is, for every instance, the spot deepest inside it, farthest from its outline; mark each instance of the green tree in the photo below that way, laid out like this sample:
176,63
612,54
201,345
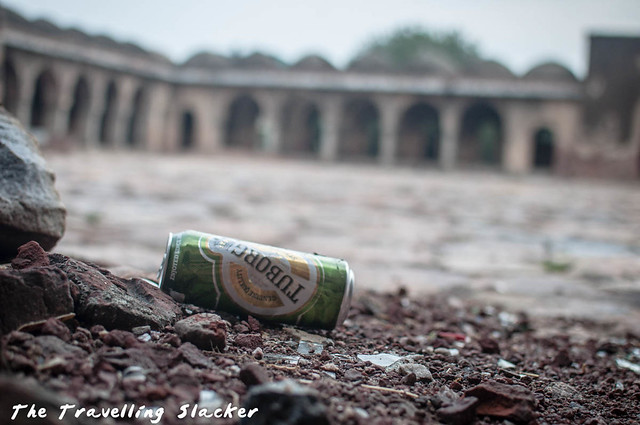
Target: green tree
403,47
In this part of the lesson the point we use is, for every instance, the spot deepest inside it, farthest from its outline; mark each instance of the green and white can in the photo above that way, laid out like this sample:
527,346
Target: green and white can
242,277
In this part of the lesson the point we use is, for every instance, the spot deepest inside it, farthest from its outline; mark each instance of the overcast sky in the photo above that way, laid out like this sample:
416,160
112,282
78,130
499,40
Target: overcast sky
518,33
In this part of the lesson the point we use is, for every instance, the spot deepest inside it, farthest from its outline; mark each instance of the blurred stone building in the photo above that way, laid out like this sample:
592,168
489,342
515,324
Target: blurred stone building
78,90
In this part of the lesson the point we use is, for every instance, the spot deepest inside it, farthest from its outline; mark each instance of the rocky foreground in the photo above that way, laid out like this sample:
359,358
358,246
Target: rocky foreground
76,337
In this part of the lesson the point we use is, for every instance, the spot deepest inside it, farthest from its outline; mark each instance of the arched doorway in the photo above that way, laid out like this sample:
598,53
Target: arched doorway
419,134
108,115
188,128
360,135
10,87
79,109
241,130
543,149
300,127
135,128
43,102
481,136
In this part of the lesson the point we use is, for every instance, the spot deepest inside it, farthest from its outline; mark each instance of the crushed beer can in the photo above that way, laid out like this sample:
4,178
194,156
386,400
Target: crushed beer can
242,277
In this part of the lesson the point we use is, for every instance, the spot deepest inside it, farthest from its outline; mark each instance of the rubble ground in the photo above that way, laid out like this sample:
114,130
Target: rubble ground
397,359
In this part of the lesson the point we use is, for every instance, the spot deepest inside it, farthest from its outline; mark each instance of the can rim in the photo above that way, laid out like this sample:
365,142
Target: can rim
346,298
165,261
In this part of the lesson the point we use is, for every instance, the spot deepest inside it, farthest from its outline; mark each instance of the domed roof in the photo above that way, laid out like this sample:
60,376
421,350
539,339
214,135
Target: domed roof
371,62
313,63
489,69
45,25
207,60
550,71
259,60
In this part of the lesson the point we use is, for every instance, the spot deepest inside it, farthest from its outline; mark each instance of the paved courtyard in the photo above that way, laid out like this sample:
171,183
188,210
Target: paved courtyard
538,243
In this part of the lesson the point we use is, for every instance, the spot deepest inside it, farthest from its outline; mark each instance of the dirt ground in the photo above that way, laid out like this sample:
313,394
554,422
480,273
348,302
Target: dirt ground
537,243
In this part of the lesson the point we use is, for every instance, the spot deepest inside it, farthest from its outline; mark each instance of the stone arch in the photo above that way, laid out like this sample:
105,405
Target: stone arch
188,130
107,119
543,149
10,87
241,129
300,127
481,136
135,127
360,130
419,134
79,109
43,103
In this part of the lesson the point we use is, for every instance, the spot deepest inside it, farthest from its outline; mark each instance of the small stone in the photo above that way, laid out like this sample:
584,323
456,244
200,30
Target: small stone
448,352
330,367
252,374
562,359
250,341
141,330
285,403
169,338
352,375
563,391
118,338
206,331
240,328
513,402
254,324
410,379
406,366
257,353
30,255
489,345
461,412
194,356
144,338
57,328
97,330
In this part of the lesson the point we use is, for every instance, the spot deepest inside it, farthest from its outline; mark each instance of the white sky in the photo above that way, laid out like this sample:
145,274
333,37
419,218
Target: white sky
518,33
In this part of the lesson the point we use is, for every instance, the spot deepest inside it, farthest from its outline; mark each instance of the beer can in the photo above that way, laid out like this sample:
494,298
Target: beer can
243,277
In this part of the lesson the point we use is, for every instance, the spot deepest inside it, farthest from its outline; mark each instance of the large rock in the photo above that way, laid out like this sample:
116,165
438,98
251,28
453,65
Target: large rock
30,207
32,295
104,299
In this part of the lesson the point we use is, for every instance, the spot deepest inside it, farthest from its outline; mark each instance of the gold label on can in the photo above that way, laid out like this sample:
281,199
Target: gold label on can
259,278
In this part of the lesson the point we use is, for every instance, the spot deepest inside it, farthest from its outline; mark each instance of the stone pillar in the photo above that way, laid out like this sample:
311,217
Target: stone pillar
269,124
66,79
390,109
330,111
97,97
158,126
26,89
124,107
218,109
450,127
516,152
